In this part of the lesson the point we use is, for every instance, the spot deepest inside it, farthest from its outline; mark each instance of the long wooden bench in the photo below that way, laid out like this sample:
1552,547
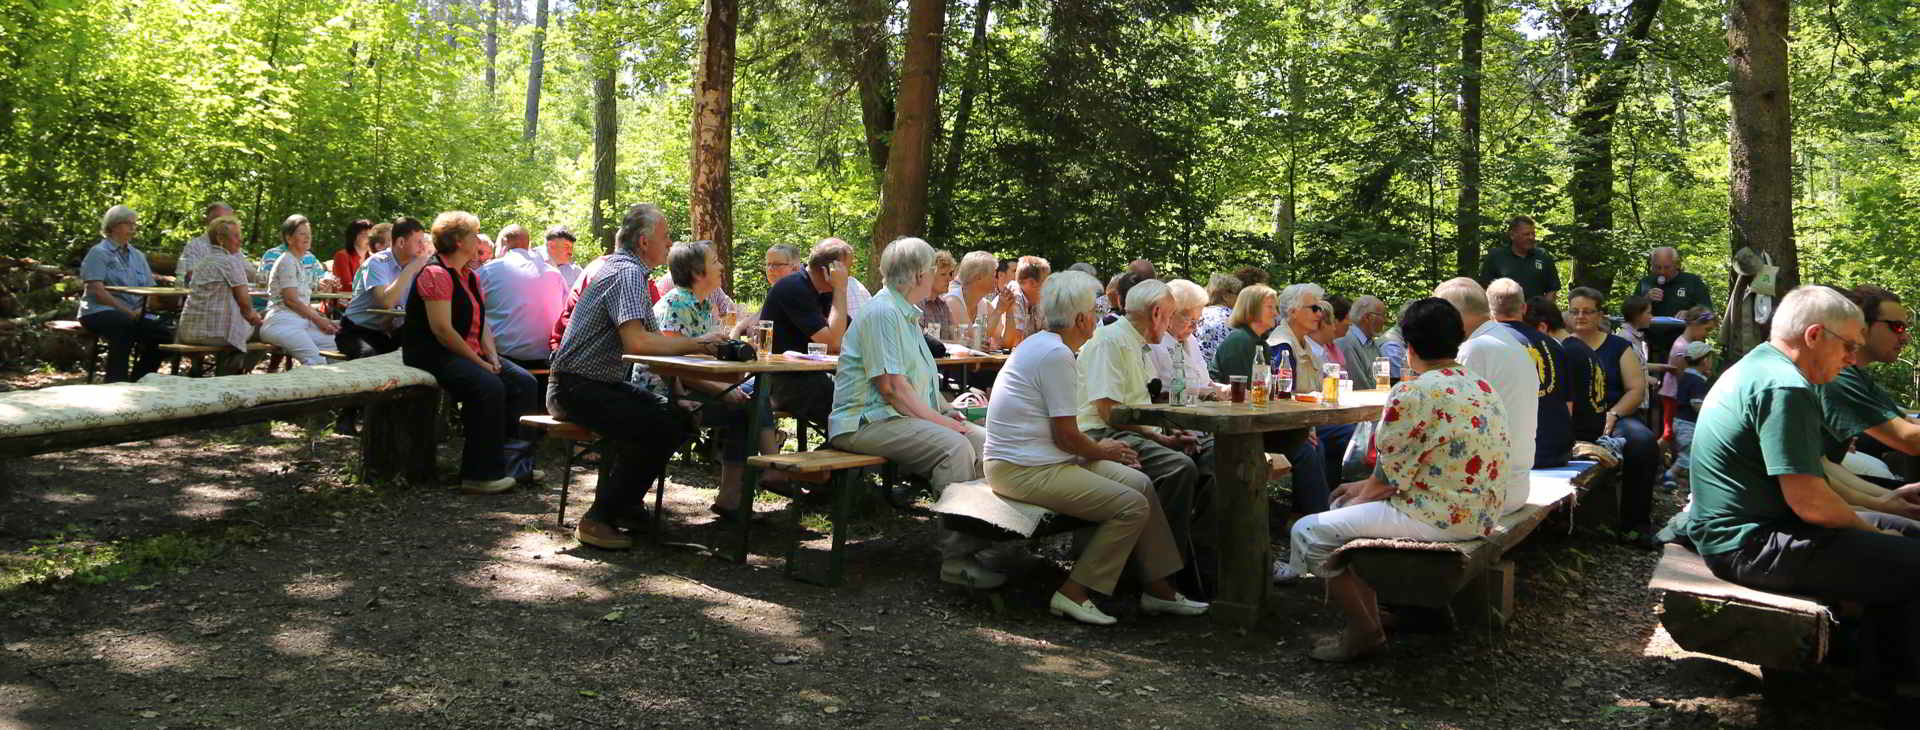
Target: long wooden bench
839,467
1784,634
1471,580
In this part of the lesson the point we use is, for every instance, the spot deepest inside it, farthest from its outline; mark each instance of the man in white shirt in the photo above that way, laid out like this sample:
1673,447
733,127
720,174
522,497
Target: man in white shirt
198,247
524,296
558,253
1491,351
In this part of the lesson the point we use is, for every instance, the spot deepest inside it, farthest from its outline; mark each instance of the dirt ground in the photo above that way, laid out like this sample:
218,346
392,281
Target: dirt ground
237,579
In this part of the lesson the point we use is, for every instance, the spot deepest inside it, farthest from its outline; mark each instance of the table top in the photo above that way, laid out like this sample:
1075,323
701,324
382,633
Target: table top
316,296
705,366
1234,418
151,291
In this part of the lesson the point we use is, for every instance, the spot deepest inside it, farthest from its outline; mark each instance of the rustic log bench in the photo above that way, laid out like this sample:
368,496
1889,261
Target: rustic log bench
1784,634
1472,581
89,343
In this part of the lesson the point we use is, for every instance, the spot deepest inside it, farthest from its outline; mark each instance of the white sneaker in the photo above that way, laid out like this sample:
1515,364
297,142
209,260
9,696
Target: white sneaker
966,571
1085,613
1283,573
1179,606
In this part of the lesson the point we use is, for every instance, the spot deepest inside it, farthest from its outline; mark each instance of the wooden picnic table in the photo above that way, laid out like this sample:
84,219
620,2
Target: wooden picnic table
315,296
1239,495
151,291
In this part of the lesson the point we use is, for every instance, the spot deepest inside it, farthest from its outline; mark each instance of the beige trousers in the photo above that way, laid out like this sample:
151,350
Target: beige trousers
939,453
1121,500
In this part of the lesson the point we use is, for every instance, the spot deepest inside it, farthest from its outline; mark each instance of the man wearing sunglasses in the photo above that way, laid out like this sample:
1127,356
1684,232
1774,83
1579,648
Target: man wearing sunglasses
1854,404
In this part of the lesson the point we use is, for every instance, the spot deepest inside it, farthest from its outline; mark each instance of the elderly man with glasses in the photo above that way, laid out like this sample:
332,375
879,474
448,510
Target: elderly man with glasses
1360,346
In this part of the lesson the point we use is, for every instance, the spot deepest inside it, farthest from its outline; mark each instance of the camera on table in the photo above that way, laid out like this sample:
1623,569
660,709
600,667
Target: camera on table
734,351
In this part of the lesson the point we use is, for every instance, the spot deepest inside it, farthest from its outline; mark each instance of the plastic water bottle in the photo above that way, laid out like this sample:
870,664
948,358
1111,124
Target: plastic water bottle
1179,374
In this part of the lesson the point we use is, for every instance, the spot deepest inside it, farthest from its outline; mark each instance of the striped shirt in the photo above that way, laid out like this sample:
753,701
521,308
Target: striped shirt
885,339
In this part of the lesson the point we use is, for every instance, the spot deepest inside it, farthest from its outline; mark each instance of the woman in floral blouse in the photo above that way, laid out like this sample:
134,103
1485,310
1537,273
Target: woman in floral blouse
688,311
1442,448
1222,290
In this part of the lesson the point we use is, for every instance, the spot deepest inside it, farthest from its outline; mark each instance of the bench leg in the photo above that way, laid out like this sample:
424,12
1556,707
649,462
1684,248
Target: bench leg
566,483
1487,600
659,506
399,439
842,485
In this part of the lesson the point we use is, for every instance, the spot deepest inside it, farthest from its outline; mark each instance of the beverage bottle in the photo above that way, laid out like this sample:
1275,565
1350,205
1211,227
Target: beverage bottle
1179,393
1259,381
1283,367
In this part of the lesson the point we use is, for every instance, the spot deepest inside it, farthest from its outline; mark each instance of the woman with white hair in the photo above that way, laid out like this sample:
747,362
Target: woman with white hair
219,311
292,322
1177,355
120,319
1036,453
976,275
885,396
1299,319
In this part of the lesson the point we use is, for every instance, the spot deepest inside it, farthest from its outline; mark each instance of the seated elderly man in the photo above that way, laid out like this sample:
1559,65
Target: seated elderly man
1443,453
886,399
1360,345
1764,514
1491,352
1036,453
1553,416
524,295
809,305
1114,372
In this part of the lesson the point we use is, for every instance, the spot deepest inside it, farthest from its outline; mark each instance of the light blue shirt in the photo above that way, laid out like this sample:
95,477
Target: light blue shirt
524,296
885,339
114,265
315,270
377,271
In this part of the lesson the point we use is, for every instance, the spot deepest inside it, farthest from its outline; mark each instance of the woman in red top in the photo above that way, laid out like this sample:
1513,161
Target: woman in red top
454,343
354,249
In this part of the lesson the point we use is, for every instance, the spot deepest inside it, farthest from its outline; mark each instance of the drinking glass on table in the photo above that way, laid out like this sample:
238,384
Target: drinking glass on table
728,320
763,340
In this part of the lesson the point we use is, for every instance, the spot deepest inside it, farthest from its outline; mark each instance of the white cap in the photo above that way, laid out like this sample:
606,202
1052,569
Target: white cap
1697,350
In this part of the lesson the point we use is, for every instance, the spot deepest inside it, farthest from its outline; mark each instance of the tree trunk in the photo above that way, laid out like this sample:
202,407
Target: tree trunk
1590,188
606,133
1761,150
711,203
1466,217
903,200
962,122
493,43
536,67
871,72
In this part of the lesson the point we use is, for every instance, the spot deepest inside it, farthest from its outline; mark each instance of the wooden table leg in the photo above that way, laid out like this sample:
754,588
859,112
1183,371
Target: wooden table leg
1240,509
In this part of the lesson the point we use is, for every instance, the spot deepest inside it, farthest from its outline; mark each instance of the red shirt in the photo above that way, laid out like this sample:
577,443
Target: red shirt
435,286
345,263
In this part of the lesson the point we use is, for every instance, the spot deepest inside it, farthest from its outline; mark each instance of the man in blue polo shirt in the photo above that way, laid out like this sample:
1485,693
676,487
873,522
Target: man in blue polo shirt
1523,261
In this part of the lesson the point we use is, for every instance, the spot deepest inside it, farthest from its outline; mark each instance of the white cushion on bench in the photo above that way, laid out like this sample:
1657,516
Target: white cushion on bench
1548,489
977,500
380,372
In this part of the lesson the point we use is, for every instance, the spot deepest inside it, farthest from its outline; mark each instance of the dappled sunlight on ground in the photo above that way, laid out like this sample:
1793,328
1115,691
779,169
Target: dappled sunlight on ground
315,587
139,653
305,640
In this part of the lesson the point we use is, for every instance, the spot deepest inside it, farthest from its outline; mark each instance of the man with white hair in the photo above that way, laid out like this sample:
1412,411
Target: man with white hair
1361,345
1672,290
1553,444
524,296
1114,372
199,247
1490,353
1764,514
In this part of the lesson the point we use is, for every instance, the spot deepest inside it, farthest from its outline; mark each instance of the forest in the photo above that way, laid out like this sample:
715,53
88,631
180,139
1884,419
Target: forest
1374,147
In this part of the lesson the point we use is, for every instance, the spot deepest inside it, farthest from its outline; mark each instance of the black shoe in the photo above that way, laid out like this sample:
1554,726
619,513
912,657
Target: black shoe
732,516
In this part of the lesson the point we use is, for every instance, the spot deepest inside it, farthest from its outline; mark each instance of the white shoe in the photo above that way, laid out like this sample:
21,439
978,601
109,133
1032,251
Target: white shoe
1283,573
966,571
1179,606
1085,613
474,486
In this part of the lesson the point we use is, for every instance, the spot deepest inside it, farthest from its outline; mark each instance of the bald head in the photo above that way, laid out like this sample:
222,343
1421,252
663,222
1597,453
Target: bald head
1664,262
1469,298
1144,268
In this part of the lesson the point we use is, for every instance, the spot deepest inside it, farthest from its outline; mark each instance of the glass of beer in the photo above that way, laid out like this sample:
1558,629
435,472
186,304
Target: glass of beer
729,320
1382,373
764,340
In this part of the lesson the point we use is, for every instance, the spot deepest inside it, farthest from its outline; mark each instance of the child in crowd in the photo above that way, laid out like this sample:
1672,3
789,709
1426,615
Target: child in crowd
1698,360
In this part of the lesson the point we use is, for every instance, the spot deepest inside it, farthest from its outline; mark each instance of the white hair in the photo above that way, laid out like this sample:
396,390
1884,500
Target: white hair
1144,295
976,264
1065,296
904,261
1291,297
1807,306
116,215
1506,298
1466,295
1186,294
1366,304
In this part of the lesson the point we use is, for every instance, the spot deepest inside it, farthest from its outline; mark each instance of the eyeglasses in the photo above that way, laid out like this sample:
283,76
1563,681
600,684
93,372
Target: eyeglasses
1896,326
1852,346
771,265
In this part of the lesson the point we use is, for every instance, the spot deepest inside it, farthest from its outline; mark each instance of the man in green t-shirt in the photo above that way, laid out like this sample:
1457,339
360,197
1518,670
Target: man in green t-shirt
1855,404
1671,290
1523,262
1763,513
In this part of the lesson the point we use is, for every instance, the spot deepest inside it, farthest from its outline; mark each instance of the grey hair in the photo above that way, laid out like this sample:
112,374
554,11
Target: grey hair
1366,304
292,224
1142,297
688,260
1291,297
1809,305
1065,296
1506,298
975,265
639,220
213,206
1085,268
788,250
905,260
1655,254
1186,294
117,215
1223,287
1466,295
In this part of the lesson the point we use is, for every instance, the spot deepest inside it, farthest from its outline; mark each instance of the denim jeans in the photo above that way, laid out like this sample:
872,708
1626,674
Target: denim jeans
638,428
122,334
490,409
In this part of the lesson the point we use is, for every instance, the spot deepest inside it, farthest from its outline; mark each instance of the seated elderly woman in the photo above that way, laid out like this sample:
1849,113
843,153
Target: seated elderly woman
1442,446
454,343
219,311
688,311
885,402
1036,453
1176,358
934,309
1212,329
293,323
120,319
972,304
1256,313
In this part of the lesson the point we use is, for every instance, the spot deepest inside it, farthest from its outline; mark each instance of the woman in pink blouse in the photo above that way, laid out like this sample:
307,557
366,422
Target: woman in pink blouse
1442,445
